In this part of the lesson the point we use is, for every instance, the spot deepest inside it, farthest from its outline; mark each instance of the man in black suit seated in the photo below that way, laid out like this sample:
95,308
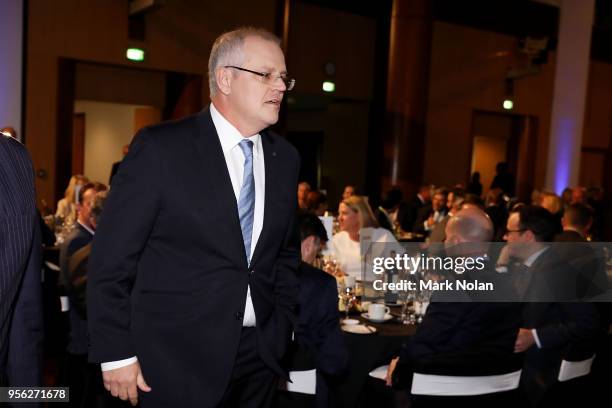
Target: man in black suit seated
409,213
320,343
430,215
20,262
454,203
587,259
78,371
472,338
576,221
390,209
553,323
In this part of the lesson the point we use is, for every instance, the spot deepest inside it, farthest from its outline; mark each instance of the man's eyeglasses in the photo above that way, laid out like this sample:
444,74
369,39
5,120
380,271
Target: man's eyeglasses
267,77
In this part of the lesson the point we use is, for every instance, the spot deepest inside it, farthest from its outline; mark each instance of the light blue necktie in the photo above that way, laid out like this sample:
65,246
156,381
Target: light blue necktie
246,202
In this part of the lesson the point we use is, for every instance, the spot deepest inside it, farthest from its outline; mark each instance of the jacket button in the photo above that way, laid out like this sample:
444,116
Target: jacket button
251,271
239,315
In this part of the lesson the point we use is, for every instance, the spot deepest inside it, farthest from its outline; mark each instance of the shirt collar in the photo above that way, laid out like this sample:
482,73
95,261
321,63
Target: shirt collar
531,260
92,232
229,136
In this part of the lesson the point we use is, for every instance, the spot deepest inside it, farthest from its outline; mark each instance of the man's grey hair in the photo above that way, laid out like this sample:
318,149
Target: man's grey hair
228,50
98,205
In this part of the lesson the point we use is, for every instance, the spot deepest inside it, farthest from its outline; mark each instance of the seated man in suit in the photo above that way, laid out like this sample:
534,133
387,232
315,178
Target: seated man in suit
431,215
407,215
576,221
454,203
388,211
553,323
78,371
319,343
462,338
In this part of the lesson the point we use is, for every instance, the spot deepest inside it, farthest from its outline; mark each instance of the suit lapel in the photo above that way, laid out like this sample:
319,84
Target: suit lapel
213,164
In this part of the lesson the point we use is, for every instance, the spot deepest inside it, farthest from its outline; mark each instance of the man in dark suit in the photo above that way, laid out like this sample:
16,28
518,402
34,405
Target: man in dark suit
553,322
81,236
408,213
387,214
430,215
588,259
319,342
473,338
116,165
83,378
20,269
192,287
454,203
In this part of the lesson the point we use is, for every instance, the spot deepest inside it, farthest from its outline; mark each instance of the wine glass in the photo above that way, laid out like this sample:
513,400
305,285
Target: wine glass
348,298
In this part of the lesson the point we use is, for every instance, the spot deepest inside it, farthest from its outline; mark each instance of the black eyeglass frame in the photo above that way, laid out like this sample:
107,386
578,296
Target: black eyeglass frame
289,82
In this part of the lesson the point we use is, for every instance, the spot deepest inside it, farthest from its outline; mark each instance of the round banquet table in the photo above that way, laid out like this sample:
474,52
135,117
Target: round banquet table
367,352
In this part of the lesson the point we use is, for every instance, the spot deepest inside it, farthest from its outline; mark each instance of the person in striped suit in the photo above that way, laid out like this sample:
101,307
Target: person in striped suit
20,269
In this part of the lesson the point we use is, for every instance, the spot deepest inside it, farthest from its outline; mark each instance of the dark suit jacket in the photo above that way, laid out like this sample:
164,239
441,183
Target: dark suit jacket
424,213
77,280
20,269
168,274
114,171
408,212
78,239
383,220
561,325
318,332
463,338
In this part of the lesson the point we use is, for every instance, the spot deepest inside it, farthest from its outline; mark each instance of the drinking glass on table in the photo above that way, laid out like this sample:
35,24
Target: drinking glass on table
347,295
330,265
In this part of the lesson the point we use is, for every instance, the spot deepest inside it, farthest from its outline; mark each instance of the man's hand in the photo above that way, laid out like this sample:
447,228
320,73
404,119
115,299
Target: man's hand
524,340
123,382
431,221
390,370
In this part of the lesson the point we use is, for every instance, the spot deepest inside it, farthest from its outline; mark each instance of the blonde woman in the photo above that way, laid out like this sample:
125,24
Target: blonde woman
66,207
355,218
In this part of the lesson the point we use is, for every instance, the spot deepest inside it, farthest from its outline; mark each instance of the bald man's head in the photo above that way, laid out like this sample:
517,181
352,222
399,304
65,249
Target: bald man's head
468,232
470,225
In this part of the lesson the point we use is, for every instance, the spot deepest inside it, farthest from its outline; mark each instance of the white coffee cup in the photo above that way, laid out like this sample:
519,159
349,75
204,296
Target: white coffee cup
377,311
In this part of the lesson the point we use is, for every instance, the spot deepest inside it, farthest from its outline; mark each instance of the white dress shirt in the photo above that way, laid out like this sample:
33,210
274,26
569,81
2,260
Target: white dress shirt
230,137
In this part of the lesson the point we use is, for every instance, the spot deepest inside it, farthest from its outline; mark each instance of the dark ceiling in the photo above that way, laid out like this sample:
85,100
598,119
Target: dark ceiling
519,18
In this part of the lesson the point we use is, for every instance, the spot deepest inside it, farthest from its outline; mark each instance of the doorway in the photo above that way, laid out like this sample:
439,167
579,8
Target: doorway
101,107
499,137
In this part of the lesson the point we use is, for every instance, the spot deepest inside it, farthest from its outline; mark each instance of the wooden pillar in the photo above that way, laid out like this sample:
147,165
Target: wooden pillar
407,88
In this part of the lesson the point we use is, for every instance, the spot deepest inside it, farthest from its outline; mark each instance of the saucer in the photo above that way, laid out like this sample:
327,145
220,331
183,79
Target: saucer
385,319
358,329
349,322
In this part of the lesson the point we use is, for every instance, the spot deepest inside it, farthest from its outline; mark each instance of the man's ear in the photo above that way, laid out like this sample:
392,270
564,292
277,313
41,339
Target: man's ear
530,235
309,242
224,80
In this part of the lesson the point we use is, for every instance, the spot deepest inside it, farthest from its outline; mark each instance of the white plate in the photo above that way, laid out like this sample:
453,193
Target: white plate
358,328
385,319
350,322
